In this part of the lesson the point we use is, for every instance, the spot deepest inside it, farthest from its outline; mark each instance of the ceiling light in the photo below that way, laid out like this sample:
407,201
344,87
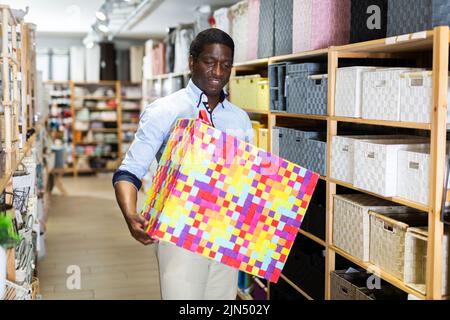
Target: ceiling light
103,28
100,15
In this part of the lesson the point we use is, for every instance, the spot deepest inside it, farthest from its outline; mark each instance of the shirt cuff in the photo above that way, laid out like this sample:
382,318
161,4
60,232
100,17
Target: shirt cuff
122,175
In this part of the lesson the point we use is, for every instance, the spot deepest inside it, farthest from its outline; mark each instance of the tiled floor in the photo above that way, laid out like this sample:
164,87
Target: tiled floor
87,230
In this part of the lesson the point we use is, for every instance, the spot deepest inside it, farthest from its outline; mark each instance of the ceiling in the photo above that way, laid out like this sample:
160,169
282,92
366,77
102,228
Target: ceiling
69,17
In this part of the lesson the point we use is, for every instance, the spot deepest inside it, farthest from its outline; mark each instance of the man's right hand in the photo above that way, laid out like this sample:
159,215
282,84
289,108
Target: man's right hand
137,226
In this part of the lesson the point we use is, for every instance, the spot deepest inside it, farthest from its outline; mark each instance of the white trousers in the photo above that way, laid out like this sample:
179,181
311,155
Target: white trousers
185,275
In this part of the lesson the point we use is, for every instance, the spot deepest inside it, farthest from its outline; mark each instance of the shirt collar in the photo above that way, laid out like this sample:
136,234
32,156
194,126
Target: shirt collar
198,94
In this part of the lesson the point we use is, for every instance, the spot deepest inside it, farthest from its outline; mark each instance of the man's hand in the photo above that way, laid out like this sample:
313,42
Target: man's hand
137,226
126,195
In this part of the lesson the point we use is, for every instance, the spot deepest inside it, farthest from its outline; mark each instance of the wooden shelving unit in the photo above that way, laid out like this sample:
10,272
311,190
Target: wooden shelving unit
131,94
435,42
80,135
61,116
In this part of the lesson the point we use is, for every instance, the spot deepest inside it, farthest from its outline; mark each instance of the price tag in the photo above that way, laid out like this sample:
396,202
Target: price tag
391,40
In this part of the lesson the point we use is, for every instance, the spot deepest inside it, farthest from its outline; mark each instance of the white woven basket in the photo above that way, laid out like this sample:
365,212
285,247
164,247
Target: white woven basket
387,236
349,91
416,97
342,154
239,30
375,164
413,174
351,223
381,94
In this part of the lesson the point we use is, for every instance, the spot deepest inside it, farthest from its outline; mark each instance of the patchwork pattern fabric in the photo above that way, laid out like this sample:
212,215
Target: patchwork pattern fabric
227,200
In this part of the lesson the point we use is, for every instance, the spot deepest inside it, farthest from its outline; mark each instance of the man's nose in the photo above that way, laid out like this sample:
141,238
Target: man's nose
218,70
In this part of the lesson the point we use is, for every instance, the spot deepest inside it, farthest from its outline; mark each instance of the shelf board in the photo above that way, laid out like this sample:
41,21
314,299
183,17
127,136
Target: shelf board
293,285
112,130
94,143
130,98
251,64
95,98
300,116
398,200
398,124
416,42
131,110
168,75
257,111
382,274
94,170
95,83
312,237
301,55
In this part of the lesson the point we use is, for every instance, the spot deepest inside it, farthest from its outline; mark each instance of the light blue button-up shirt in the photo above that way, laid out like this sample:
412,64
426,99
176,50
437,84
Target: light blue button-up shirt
159,117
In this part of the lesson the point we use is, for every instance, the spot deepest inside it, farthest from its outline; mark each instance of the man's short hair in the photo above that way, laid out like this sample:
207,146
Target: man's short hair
210,36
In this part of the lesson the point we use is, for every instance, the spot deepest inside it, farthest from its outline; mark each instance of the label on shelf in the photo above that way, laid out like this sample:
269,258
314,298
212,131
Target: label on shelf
419,35
404,37
391,40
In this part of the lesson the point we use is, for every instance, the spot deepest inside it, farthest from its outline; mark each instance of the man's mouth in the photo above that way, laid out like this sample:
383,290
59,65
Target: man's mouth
214,82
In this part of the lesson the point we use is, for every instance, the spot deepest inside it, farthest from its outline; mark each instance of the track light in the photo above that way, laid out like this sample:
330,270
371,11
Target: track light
100,15
103,28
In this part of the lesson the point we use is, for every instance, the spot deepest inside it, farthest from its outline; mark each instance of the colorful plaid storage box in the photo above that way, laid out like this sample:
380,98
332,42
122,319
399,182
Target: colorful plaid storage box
227,200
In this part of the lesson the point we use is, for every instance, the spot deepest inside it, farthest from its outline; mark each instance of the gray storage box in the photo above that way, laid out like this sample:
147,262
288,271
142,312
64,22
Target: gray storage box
283,26
277,79
404,17
306,95
315,156
291,143
266,40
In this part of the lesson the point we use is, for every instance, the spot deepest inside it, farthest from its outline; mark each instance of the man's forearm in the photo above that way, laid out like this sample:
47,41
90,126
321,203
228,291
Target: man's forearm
126,195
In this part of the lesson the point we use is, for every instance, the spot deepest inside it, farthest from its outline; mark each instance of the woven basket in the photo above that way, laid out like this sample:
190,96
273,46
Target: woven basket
35,288
239,30
351,222
345,285
15,292
388,228
416,242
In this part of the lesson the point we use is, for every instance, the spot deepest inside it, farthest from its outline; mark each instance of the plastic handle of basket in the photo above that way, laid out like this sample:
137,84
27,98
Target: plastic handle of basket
380,83
371,155
318,76
344,290
414,165
286,86
416,82
388,227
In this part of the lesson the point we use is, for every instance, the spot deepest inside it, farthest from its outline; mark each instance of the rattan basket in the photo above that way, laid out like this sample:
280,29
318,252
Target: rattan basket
351,224
416,242
388,228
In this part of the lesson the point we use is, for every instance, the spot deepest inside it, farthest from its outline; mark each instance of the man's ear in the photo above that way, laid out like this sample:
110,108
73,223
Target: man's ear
191,63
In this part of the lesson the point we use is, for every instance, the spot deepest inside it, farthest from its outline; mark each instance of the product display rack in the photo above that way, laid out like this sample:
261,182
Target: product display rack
414,46
159,86
107,126
61,117
131,107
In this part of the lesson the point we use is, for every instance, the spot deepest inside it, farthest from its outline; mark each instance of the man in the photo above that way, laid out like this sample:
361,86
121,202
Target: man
183,274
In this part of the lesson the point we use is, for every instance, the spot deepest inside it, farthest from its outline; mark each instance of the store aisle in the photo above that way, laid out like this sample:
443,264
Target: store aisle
86,229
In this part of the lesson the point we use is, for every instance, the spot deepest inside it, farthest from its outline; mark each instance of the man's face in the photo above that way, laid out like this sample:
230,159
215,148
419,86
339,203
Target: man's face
211,71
